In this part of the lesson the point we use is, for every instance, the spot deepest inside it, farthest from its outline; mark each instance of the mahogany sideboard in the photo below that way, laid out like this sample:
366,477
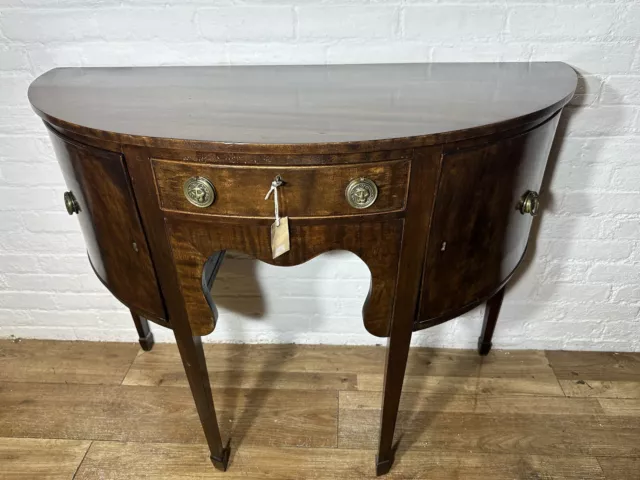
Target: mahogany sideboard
427,172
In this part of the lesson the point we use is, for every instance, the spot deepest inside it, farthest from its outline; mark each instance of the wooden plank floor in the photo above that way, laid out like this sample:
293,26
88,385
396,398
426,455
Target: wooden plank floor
110,411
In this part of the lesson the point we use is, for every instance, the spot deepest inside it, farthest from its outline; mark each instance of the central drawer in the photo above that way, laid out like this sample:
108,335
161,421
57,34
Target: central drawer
307,191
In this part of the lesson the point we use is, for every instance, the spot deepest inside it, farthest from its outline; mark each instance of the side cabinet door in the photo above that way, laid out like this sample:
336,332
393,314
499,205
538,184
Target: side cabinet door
108,216
478,236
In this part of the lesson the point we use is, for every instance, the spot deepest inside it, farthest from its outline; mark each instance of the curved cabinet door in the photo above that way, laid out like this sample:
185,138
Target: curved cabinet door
108,216
478,235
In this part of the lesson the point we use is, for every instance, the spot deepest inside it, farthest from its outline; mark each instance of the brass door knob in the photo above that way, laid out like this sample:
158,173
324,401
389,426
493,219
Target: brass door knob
361,192
529,203
71,203
199,191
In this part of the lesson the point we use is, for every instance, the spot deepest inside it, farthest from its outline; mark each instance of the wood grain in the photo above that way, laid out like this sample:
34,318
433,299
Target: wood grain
600,389
65,362
118,461
597,374
280,432
476,219
25,458
320,107
116,242
515,364
426,167
263,379
467,385
444,403
624,407
540,405
159,414
165,360
603,366
306,192
376,242
222,357
525,372
616,468
412,401
537,434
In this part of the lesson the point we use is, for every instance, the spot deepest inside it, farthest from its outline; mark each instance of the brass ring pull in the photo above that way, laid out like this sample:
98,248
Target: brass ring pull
361,192
199,191
529,203
71,203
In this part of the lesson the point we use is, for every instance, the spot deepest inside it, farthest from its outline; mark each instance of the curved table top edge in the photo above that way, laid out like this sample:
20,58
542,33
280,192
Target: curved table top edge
359,146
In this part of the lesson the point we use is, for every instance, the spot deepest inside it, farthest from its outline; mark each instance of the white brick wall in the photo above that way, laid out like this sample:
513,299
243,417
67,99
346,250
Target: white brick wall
581,286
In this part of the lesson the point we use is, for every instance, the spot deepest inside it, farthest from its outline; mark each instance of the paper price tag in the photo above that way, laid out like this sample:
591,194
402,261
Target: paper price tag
280,237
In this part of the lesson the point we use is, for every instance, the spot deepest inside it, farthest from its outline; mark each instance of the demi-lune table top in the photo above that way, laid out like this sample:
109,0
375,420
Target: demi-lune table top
300,104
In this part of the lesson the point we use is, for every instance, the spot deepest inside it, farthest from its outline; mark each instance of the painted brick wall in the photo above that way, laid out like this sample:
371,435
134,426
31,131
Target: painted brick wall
581,286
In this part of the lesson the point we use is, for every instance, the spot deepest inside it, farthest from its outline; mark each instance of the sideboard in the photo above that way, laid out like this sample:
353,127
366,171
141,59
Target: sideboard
430,173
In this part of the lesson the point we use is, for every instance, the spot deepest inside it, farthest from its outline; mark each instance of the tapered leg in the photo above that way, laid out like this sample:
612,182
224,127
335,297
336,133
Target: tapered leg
422,184
138,160
193,360
144,332
396,363
491,312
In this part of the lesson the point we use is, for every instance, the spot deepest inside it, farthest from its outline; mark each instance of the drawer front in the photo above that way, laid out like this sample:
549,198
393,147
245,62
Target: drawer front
306,192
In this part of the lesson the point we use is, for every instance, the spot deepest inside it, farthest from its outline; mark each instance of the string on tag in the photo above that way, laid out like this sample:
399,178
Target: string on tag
277,182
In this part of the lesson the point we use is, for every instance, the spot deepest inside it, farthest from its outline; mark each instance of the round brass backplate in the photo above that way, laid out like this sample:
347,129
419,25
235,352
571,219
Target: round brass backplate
199,191
71,203
529,203
361,192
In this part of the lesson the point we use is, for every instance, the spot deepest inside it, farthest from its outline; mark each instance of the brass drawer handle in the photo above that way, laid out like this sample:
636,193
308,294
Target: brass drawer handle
199,191
361,192
71,203
529,203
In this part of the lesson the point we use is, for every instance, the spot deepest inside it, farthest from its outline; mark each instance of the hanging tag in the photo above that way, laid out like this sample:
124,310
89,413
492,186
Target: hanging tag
280,228
280,237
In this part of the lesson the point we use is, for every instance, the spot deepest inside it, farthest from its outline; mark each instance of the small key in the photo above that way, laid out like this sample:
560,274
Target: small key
277,182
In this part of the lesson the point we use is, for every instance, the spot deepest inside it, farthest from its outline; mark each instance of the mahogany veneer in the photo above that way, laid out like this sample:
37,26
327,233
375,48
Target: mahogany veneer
456,153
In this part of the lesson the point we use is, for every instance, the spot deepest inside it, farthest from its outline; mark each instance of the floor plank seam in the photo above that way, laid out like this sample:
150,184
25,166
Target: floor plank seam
129,368
604,475
555,375
337,419
82,461
114,440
